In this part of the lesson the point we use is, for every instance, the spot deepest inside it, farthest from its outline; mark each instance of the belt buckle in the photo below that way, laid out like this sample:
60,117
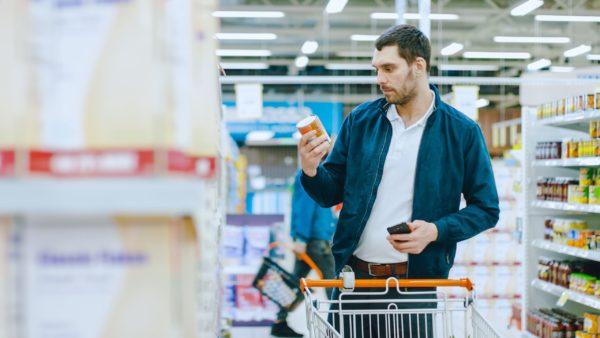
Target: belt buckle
369,265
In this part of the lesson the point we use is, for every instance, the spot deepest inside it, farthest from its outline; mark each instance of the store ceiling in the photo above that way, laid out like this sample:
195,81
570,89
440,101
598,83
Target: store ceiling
477,24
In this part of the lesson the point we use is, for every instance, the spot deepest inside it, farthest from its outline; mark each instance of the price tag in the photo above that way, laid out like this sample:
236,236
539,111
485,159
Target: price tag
564,297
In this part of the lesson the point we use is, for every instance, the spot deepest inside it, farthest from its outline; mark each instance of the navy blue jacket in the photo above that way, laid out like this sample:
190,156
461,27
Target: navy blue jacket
309,220
452,160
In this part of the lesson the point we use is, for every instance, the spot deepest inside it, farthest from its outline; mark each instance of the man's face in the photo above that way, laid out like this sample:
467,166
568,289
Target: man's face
395,77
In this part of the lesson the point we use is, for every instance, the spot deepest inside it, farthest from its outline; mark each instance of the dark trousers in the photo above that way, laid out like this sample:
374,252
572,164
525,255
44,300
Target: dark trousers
362,324
320,252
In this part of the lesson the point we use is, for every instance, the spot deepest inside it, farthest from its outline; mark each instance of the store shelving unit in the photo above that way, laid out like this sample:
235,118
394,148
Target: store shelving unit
535,90
595,209
558,291
566,250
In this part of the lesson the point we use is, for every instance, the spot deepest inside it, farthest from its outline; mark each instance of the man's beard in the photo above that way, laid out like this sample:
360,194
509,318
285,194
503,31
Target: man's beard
409,95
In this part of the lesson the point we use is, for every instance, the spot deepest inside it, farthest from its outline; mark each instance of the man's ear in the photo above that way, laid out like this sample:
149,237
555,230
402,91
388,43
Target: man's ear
420,66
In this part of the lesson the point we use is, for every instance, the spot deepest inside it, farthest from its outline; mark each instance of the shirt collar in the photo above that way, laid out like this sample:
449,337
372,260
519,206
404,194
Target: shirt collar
392,113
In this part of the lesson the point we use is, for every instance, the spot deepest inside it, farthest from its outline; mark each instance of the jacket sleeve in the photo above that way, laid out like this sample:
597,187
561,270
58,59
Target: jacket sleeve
303,210
327,187
479,190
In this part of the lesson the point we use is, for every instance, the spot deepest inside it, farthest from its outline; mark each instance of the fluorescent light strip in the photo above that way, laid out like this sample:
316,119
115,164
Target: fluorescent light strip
356,54
248,14
539,64
531,39
557,69
335,6
567,18
309,47
243,52
452,49
458,67
593,57
413,16
581,49
244,65
301,61
497,55
348,66
246,36
526,7
362,37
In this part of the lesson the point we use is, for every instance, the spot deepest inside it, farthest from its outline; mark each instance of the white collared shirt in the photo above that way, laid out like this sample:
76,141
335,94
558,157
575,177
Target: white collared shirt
394,200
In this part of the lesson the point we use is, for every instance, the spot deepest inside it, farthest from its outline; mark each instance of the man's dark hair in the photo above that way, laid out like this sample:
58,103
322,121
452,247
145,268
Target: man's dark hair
411,42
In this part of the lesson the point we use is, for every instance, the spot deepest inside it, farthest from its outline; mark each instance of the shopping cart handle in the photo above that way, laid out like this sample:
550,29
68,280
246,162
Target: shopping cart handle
392,282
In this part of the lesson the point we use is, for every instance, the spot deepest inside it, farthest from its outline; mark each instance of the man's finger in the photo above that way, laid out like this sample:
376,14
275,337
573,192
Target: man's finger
307,137
402,237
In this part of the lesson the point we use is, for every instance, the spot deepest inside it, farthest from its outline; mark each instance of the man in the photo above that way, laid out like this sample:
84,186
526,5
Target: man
407,157
311,228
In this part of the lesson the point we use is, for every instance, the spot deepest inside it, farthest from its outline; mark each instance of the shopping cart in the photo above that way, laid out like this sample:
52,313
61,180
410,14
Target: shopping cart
441,316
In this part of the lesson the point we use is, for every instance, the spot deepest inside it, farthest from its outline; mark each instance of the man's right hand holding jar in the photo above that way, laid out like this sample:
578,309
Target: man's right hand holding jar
312,149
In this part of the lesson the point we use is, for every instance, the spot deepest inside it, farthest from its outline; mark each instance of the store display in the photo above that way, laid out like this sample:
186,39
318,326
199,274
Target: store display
549,323
102,262
569,105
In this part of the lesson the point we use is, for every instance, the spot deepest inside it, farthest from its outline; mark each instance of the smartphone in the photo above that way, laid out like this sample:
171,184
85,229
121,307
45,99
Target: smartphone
399,229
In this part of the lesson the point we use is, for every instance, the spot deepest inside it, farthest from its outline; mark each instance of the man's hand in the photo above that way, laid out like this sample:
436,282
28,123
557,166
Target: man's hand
312,149
299,247
422,233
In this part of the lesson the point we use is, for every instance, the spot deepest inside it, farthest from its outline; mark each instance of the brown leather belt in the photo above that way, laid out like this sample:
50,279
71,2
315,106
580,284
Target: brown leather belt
379,270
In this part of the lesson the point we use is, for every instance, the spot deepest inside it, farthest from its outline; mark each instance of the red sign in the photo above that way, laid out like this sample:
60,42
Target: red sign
7,162
91,163
201,166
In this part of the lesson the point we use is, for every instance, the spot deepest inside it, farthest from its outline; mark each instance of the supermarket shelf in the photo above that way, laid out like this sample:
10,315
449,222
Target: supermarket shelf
567,250
591,301
567,206
102,195
570,162
578,121
241,269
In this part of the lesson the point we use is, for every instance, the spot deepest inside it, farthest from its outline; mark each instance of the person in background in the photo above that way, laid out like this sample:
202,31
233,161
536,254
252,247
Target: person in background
406,157
311,228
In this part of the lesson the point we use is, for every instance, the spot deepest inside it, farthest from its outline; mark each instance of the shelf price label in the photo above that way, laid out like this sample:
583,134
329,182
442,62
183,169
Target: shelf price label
564,297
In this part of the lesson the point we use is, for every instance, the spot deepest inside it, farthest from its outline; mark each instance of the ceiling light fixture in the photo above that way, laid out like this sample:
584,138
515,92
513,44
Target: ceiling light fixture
335,6
301,61
414,16
309,47
526,7
243,52
246,36
452,49
244,65
567,18
593,57
363,37
497,55
482,103
248,14
557,69
459,67
539,64
531,39
581,49
348,66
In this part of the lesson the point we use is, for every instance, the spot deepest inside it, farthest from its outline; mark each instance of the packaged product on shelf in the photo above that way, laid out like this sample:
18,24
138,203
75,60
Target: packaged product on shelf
572,149
233,247
257,240
543,269
586,176
590,322
578,194
561,107
594,194
591,102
